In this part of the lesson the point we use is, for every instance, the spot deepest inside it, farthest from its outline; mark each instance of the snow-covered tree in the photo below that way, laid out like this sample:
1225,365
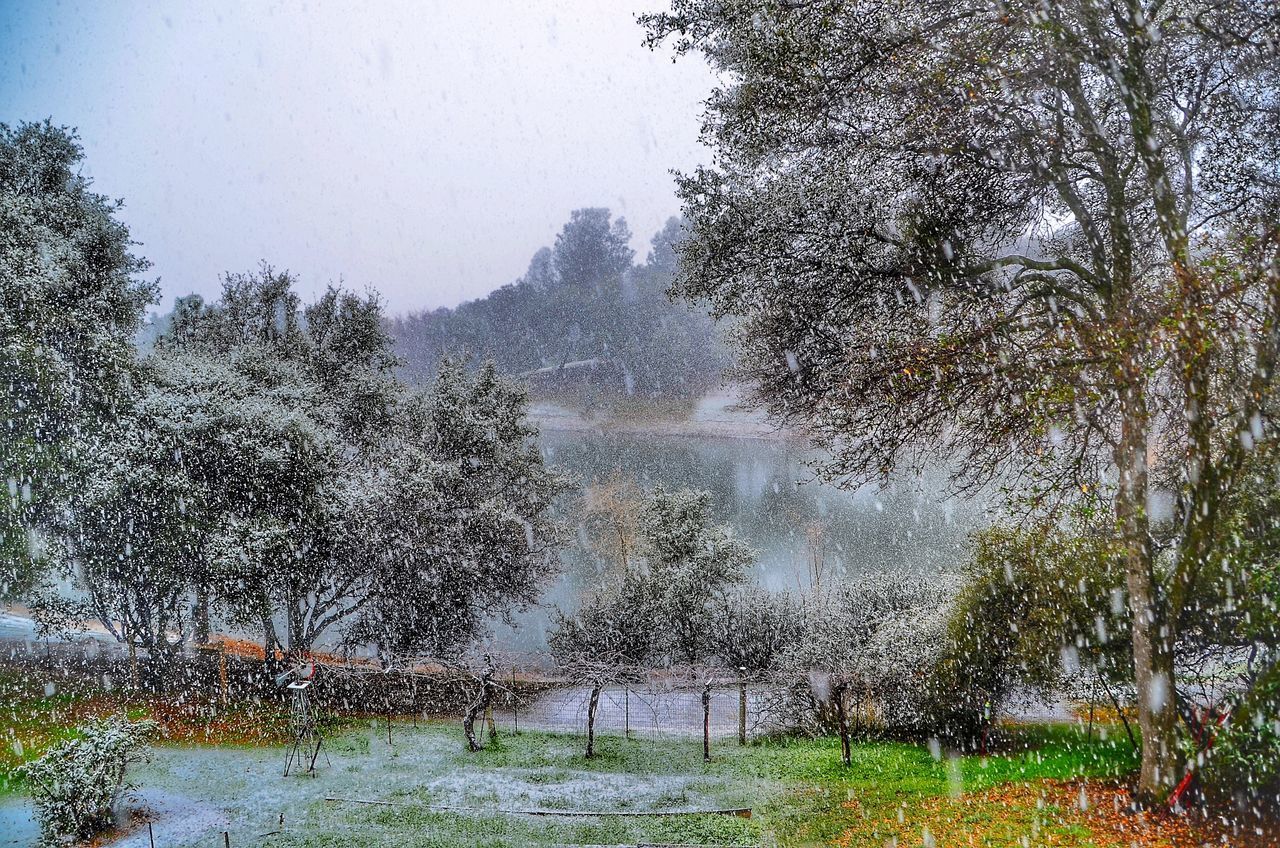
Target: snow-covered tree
868,654
658,607
689,560
751,628
71,299
136,531
280,405
452,516
1031,238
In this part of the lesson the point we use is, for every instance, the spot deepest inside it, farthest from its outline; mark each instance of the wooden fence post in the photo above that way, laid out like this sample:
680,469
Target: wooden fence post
706,722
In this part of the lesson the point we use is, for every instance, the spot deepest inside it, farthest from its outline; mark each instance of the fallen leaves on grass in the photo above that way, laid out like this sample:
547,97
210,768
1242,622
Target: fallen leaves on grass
1064,814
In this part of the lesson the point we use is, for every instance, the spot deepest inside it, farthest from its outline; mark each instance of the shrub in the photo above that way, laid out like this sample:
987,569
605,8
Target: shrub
77,784
1243,766
869,648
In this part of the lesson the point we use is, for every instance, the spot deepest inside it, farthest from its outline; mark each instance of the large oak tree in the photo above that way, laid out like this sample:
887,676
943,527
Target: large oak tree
1030,239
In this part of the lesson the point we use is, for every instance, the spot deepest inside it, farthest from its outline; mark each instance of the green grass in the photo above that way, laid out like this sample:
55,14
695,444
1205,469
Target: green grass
800,793
31,721
828,801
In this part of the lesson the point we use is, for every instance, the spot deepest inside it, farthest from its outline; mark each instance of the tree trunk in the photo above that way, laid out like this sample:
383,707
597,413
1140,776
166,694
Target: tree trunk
1153,635
593,704
270,641
133,655
202,614
842,718
297,640
477,708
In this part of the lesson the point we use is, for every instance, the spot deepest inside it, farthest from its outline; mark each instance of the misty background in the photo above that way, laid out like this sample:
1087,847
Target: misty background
500,173
426,149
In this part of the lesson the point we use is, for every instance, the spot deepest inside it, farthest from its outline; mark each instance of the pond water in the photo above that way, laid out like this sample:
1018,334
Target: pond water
766,491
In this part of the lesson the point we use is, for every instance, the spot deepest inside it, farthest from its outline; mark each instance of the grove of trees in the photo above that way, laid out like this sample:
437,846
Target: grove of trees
262,463
584,324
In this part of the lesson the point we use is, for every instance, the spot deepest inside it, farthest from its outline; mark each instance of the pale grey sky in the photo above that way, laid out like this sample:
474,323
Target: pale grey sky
426,149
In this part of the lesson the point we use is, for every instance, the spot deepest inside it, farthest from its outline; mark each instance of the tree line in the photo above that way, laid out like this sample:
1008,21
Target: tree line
583,325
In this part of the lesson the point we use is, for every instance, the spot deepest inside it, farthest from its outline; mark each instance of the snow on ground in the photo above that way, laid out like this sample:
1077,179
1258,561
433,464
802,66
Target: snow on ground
193,794
17,828
178,817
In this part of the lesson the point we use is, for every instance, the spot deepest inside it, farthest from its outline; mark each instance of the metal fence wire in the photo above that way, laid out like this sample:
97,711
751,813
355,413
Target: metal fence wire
651,711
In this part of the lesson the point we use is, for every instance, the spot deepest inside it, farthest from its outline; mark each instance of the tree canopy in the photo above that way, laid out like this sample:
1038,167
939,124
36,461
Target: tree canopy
71,298
1030,239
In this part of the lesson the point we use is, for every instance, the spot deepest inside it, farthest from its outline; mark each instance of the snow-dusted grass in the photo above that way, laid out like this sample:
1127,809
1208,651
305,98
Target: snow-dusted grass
427,767
798,790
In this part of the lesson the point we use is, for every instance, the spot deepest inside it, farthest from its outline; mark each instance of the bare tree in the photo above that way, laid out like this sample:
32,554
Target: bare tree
609,640
613,516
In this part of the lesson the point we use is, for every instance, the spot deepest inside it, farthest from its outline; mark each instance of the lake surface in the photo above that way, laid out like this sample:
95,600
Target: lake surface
766,492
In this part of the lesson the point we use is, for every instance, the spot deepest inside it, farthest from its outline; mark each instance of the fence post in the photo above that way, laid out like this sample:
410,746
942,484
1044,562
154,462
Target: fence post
626,712
706,722
222,672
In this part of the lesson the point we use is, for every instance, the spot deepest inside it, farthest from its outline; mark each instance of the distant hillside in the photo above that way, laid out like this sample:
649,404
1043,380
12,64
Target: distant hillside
584,326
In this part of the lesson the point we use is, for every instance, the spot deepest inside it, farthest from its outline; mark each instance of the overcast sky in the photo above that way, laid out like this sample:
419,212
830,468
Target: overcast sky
425,149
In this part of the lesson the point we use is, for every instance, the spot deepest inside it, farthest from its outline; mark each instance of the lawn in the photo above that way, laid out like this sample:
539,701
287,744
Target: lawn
434,793
1048,785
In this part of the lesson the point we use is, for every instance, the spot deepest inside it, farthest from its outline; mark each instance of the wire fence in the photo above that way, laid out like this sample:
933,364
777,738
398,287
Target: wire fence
526,696
652,711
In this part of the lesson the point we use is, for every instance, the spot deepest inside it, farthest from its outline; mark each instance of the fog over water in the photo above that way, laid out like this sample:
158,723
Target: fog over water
765,490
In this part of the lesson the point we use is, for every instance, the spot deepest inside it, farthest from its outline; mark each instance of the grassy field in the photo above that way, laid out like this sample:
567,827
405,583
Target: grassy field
437,794
219,770
434,793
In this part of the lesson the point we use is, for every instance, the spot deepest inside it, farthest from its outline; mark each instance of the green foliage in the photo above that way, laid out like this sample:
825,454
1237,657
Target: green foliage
77,784
1041,603
1235,593
70,302
1244,763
